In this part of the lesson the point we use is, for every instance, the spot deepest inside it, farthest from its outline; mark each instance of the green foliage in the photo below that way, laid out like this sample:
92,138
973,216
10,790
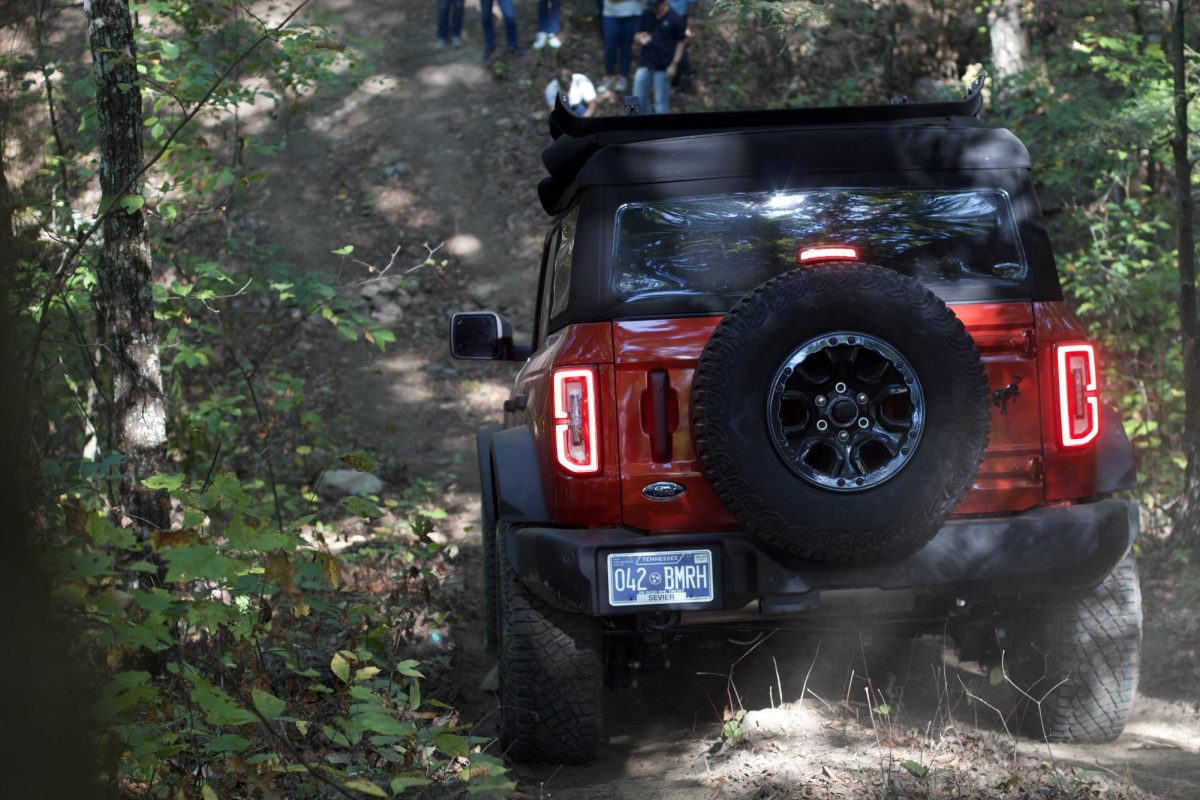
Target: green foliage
732,731
240,620
228,650
1098,123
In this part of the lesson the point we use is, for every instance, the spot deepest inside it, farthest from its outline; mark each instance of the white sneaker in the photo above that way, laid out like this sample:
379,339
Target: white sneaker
540,41
456,41
440,44
621,85
554,41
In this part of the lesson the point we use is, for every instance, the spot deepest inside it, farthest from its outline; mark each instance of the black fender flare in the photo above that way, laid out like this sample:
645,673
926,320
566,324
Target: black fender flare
487,485
510,480
1115,466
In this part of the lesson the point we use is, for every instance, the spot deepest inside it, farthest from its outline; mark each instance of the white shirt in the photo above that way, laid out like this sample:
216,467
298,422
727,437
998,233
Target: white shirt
581,91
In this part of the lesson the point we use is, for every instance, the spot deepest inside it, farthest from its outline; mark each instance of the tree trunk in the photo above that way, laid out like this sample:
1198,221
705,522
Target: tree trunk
1187,528
1010,42
126,292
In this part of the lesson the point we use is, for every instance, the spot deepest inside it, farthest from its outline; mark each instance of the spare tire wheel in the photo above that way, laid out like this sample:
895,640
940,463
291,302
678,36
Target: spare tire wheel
839,412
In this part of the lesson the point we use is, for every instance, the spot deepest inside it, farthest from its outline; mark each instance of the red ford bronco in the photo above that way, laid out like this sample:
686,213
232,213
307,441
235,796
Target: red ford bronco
783,359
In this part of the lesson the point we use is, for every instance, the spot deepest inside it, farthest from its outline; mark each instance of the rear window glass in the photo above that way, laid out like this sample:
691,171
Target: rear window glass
724,244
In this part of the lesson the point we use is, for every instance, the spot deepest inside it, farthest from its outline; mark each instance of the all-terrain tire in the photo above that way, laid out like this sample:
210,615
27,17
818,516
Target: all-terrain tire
736,448
491,614
551,675
1088,645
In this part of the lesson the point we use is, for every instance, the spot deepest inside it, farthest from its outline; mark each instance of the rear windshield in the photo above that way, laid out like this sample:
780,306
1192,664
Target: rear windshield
724,244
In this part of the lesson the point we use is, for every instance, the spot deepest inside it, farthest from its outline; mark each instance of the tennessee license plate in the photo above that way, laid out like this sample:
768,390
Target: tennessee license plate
653,578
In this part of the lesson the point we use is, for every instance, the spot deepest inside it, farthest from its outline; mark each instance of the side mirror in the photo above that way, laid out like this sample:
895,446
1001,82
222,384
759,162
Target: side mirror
483,336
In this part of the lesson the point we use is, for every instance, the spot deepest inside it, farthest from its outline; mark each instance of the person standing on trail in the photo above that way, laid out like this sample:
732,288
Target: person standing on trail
663,39
620,23
549,24
489,27
449,23
581,94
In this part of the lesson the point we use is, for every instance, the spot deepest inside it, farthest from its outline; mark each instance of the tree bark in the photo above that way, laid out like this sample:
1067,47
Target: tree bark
126,290
1010,42
1187,527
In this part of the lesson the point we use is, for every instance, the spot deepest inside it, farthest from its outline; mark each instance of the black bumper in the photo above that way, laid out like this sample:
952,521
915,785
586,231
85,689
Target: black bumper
1044,550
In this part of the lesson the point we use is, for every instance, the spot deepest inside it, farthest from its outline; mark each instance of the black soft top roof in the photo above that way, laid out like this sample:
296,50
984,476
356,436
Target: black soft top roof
654,148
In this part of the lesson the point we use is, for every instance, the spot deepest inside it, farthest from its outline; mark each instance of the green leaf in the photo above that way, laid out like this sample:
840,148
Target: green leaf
452,744
344,251
169,51
361,507
132,202
379,722
268,704
227,743
915,769
340,667
402,782
883,709
359,461
200,562
161,481
996,675
408,667
366,673
218,707
365,786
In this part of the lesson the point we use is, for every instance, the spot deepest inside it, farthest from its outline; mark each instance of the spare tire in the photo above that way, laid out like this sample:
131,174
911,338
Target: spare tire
840,412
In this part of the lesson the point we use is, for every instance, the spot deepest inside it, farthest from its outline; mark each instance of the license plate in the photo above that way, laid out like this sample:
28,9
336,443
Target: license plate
657,577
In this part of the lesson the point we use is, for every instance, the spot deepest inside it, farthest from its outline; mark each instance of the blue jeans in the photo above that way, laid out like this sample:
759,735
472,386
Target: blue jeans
489,27
445,28
618,40
549,16
662,89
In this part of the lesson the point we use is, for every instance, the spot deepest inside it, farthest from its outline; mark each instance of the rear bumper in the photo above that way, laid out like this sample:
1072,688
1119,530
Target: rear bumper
1043,550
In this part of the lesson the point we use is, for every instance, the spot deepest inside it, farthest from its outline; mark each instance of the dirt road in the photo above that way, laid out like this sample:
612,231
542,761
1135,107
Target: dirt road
434,148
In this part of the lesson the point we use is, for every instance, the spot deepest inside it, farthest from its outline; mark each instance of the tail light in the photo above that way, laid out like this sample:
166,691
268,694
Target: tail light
576,423
810,255
1078,394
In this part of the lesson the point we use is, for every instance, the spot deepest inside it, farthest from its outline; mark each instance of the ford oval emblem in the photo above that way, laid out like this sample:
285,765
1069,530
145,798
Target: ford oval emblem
663,490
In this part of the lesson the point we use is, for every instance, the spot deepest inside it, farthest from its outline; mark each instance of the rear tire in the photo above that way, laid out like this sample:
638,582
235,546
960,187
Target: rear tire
1079,654
491,616
551,674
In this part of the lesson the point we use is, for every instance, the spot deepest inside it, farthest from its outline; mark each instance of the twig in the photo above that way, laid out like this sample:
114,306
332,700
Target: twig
804,686
249,380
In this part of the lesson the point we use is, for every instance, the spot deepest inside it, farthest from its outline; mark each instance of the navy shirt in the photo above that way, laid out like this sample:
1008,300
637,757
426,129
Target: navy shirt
665,31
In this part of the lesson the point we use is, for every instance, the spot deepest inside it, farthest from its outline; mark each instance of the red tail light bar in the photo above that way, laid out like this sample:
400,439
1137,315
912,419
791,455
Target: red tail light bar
576,423
1078,394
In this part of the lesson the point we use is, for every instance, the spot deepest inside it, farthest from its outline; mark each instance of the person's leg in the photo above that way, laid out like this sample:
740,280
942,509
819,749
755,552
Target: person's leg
510,23
553,17
641,88
612,40
458,9
489,26
629,26
443,20
662,92
543,9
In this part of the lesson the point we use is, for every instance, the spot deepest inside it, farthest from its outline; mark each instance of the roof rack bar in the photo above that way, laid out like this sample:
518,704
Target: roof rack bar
564,121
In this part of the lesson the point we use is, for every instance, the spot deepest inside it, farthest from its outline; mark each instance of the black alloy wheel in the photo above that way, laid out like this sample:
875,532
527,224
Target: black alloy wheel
847,411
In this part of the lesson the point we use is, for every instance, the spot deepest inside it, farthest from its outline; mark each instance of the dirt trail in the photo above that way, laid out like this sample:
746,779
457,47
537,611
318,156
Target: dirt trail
433,148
